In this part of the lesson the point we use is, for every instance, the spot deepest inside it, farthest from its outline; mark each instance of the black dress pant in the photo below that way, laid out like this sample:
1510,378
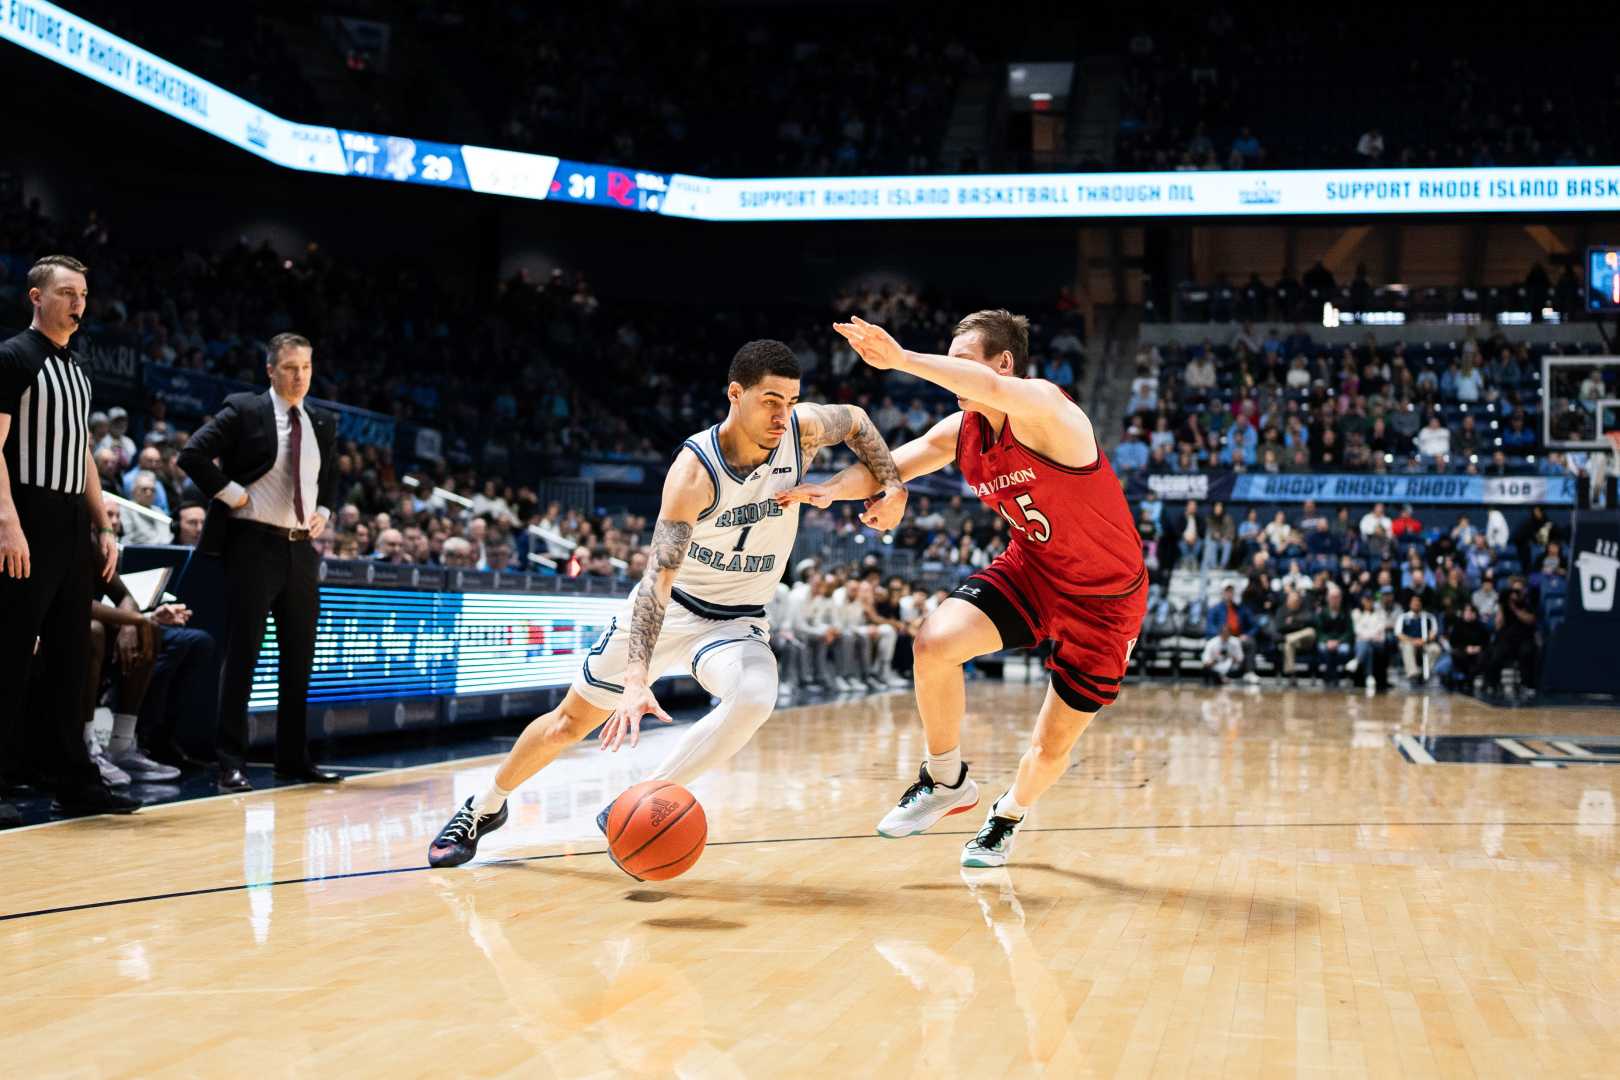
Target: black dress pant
184,690
1518,650
266,574
41,721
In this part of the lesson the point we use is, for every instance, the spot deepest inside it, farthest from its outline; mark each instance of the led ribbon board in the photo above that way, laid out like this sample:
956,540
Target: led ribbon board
60,36
377,644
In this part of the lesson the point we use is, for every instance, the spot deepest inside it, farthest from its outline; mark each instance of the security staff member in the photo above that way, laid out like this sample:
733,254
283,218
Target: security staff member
269,495
50,497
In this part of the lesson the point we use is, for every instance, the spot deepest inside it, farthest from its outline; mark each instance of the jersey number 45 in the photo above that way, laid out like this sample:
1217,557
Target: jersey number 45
1035,526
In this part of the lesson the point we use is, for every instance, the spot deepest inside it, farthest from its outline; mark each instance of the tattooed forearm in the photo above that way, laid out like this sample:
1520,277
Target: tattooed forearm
647,617
828,425
822,425
864,438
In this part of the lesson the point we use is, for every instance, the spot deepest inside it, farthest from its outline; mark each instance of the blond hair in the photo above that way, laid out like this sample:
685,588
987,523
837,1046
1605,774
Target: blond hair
1000,331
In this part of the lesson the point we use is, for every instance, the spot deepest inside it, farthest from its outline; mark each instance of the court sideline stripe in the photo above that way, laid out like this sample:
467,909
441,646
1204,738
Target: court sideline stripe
518,860
382,770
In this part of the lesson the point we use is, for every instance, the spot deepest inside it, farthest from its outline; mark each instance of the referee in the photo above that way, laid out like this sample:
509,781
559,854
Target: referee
49,494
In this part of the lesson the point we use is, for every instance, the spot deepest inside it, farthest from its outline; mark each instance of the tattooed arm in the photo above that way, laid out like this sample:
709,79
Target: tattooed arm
688,491
824,425
919,457
879,476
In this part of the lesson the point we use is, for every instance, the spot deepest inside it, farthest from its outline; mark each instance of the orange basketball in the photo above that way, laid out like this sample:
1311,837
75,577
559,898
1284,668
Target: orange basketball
656,830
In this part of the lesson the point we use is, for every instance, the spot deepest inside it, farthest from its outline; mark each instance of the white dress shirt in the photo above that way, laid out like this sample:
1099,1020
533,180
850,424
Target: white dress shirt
1223,655
271,495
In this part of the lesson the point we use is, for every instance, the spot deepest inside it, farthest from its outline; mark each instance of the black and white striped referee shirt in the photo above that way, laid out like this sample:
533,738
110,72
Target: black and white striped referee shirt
47,395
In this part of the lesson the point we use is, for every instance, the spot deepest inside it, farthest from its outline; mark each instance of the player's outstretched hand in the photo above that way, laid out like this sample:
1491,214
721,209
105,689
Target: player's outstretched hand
625,724
871,342
885,510
817,495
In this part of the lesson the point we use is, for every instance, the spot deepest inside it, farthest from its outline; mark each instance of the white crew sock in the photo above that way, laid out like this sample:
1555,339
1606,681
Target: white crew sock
90,739
1009,807
491,801
946,768
123,735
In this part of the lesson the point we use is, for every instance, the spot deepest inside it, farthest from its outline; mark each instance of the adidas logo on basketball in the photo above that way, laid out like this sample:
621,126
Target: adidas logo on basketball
661,809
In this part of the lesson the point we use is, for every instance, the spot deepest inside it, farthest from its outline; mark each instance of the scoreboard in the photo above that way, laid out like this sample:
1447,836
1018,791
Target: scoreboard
607,185
412,161
417,161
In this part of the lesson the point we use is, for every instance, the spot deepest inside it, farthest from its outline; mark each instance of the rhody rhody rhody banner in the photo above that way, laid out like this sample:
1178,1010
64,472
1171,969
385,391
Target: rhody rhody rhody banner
1420,489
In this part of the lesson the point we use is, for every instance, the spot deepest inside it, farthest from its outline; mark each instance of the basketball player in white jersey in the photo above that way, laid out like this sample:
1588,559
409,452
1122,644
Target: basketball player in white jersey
719,548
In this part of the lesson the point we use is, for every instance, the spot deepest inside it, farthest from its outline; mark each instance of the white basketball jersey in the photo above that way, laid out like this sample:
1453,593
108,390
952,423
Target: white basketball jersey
741,543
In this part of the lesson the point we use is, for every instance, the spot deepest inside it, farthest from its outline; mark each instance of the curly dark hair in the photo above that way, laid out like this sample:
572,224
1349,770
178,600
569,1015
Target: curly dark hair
757,359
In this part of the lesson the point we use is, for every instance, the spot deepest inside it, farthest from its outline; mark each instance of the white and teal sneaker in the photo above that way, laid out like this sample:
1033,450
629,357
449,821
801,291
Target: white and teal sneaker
994,842
926,803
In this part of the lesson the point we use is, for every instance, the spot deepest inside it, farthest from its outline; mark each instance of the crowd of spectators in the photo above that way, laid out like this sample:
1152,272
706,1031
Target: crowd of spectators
769,93
230,45
455,521
1304,297
1270,402
1330,593
1348,590
751,92
1239,90
765,90
562,375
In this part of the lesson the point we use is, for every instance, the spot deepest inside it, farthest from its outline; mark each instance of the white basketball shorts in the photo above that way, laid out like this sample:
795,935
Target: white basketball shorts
689,644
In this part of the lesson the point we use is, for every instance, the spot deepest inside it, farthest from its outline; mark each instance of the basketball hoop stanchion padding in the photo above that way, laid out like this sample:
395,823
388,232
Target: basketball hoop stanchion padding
1611,482
1579,656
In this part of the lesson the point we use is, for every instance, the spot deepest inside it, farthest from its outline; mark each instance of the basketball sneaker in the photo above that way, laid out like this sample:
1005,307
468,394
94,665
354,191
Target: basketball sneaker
111,774
994,842
457,842
141,767
602,818
926,802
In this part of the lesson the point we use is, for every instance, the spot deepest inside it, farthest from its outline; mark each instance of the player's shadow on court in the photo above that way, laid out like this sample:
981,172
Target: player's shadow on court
1243,915
760,894
700,922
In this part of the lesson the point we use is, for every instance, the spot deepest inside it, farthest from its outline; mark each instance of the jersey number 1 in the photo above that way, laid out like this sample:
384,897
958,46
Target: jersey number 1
1036,527
743,539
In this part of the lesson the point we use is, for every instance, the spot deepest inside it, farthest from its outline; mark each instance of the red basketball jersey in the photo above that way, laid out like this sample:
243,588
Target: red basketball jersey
1072,525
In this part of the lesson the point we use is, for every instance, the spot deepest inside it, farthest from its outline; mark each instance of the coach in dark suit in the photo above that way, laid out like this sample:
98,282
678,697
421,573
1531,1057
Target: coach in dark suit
269,466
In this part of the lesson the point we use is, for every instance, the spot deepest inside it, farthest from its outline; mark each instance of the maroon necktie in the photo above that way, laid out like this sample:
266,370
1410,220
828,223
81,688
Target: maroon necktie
295,447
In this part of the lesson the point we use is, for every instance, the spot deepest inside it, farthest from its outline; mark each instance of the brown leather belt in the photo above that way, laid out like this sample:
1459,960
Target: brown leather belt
292,536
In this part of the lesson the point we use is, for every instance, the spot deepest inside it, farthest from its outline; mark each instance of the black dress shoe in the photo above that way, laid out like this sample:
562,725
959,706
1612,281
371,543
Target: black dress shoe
176,755
99,799
232,780
308,774
10,816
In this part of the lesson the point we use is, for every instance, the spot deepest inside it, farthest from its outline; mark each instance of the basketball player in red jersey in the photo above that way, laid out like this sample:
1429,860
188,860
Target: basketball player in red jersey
1073,574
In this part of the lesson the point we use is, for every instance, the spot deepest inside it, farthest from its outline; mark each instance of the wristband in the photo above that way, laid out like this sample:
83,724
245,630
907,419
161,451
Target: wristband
106,530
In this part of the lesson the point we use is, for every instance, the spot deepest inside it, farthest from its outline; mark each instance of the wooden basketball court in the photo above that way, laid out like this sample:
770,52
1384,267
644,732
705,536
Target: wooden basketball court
1227,883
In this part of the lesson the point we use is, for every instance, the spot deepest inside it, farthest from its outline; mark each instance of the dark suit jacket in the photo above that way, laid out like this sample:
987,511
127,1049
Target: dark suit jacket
242,437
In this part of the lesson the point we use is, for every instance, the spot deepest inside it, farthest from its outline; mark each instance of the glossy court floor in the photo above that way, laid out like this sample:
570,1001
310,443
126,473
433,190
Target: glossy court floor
1227,883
